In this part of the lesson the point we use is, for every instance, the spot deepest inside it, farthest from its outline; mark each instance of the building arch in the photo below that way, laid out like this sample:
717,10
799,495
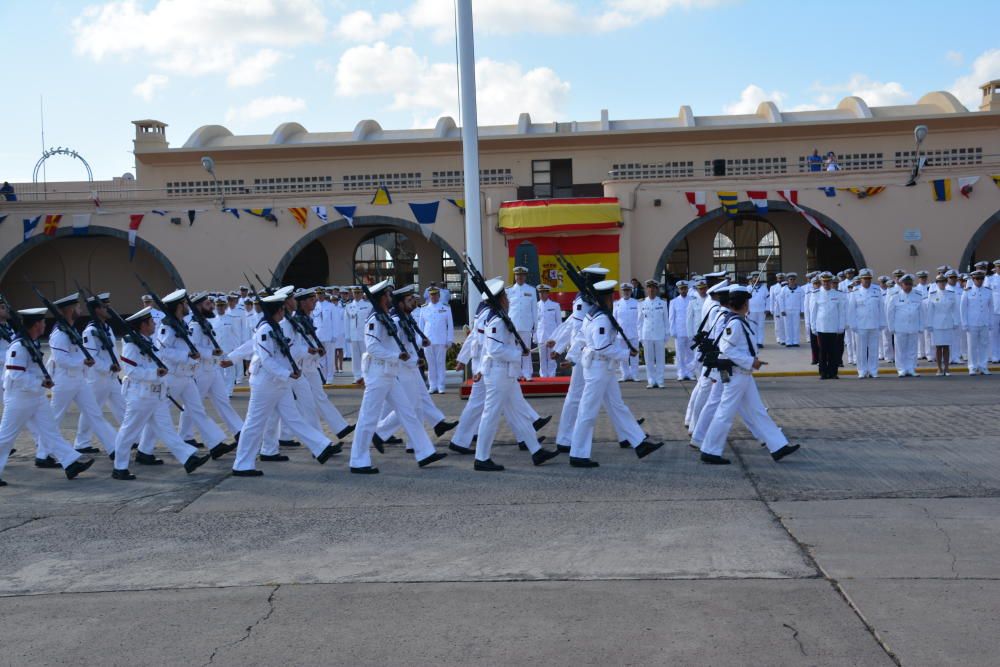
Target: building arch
970,256
748,209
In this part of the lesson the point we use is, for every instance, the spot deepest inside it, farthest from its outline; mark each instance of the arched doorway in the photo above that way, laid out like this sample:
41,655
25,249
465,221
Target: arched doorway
310,268
984,244
99,261
827,253
745,244
386,254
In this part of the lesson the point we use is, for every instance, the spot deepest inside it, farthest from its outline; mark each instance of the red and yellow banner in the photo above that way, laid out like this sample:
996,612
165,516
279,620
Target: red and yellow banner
560,215
581,250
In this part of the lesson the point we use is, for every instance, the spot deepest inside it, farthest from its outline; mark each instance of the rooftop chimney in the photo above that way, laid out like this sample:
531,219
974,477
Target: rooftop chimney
991,96
149,135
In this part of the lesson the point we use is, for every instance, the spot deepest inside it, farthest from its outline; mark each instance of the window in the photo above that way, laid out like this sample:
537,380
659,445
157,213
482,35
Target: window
386,254
751,166
205,188
456,179
633,170
293,184
942,158
396,181
846,162
451,274
678,264
744,245
552,178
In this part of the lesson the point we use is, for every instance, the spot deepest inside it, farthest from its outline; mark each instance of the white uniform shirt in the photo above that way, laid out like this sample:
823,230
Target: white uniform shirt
653,319
20,372
791,299
677,324
358,320
500,347
435,321
522,309
977,307
904,313
829,311
866,309
694,313
547,320
758,298
941,310
626,311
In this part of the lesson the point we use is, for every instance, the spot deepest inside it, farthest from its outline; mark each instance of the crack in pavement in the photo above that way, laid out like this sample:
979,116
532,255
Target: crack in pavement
947,537
250,628
795,636
23,523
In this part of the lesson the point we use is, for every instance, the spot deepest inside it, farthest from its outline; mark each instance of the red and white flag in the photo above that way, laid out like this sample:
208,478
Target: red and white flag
965,184
792,197
697,201
759,199
134,220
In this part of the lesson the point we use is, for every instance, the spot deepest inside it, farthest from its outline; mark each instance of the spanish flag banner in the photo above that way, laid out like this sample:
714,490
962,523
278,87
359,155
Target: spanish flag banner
560,215
301,214
941,189
582,250
382,197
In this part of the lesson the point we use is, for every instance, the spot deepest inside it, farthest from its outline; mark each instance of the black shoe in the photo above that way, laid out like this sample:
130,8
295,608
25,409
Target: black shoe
640,421
474,438
346,431
3,483
784,451
78,466
646,448
148,459
487,466
236,438
714,460
328,451
248,473
540,423
221,450
523,446
543,455
135,445
393,440
111,456
578,462
443,427
460,449
273,458
194,462
378,443
123,475
409,450
289,443
88,450
433,458
47,462
366,470
624,444
564,449
193,443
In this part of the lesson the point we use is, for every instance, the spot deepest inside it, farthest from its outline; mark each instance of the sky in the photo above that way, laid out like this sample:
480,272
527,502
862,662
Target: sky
253,64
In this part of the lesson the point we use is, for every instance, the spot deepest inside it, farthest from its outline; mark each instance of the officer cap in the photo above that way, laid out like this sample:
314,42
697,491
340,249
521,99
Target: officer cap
883,279
320,289
848,270
139,317
595,269
244,287
520,269
898,272
865,273
951,273
719,287
921,274
908,278
356,288
174,296
605,286
981,264
825,276
147,297
978,273
996,262
545,288
380,287
304,293
433,290
221,300
700,282
199,297
940,278
67,300
815,279
233,295
650,283
495,286
680,284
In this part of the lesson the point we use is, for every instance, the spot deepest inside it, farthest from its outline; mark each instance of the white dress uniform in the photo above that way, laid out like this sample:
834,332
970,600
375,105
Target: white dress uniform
653,323
626,311
568,341
323,316
324,408
758,307
791,301
774,305
548,319
24,405
866,317
711,391
381,364
677,326
230,331
6,338
993,282
104,383
693,317
702,392
157,316
211,386
942,317
522,313
976,318
358,316
436,322
904,319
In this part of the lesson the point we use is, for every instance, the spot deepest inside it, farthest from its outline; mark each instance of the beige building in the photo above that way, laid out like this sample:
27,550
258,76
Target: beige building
647,164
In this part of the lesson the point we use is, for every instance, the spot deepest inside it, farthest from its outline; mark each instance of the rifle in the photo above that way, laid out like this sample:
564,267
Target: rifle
384,319
62,322
18,325
303,325
276,333
263,285
587,289
140,341
203,323
102,335
480,284
180,329
411,330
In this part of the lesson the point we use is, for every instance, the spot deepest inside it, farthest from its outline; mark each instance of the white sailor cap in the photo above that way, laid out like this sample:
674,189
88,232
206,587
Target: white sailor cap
233,295
380,287
99,299
605,286
717,274
67,300
848,270
244,287
792,274
719,287
404,291
739,289
174,296
779,274
284,292
304,293
137,318
595,269
146,297
978,273
495,286
198,297
31,315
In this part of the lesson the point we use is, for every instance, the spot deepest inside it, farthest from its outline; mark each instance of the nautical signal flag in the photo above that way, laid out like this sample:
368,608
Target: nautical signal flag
81,224
320,212
347,212
996,179
301,215
382,197
965,184
426,215
265,213
829,190
759,199
31,226
863,193
134,220
941,188
697,201
792,197
234,211
459,204
51,224
729,202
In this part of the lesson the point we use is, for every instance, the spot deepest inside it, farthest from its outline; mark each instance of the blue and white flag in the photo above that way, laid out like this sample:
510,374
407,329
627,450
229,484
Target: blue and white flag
347,212
426,215
320,212
81,224
31,226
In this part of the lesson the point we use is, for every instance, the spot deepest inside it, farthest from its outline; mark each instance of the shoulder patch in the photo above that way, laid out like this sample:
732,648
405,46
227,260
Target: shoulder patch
494,329
729,331
163,331
371,326
601,330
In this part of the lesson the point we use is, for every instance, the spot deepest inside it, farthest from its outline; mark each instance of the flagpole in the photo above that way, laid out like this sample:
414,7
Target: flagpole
470,146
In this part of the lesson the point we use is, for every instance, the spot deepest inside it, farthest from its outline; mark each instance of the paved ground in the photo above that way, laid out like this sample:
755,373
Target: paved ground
875,545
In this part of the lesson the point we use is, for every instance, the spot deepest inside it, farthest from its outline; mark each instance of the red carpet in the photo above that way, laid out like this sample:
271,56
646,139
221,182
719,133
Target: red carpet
535,388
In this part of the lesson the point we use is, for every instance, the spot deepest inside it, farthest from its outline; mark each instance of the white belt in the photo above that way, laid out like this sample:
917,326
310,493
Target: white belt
68,371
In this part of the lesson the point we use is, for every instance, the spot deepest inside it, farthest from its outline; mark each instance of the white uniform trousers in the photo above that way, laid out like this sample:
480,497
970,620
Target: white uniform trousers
435,366
380,389
546,364
268,398
740,395
699,399
757,320
571,406
867,341
683,357
960,351
979,343
429,413
211,386
925,345
185,391
327,361
791,320
850,346
107,391
30,409
357,351
77,390
779,329
654,353
278,428
885,348
905,345
327,411
995,339
229,379
693,398
601,388
500,392
527,370
150,415
468,421
707,412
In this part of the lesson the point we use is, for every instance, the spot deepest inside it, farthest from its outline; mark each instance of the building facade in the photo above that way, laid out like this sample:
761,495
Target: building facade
204,230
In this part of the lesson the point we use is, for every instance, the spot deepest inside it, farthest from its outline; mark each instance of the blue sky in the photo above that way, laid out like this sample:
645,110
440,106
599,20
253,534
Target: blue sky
253,64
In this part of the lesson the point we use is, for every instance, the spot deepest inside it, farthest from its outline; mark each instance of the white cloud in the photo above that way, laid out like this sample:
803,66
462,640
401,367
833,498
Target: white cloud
954,57
362,26
195,37
147,88
751,98
875,93
264,107
428,89
984,68
255,69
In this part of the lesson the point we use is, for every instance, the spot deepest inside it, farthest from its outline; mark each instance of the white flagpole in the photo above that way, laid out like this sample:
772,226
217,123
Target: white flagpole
470,146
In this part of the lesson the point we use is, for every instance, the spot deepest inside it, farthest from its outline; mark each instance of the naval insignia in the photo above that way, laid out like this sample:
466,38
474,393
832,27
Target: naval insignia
729,331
